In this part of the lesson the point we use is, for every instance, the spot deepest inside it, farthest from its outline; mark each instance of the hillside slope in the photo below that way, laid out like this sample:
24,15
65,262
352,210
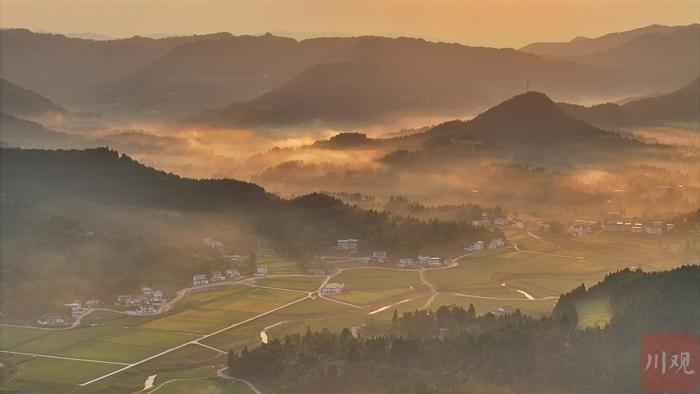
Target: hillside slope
22,102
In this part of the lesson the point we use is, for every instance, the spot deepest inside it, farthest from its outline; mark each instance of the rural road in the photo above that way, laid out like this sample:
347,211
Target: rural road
63,358
220,373
181,294
196,341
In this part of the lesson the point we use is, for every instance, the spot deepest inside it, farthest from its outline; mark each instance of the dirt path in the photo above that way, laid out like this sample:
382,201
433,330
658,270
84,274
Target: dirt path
526,294
220,373
263,333
504,298
63,358
196,341
382,309
515,246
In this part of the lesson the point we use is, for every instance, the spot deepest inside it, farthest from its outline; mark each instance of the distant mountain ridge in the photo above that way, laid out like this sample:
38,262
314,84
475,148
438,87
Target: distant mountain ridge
22,102
389,78
585,46
669,55
680,106
17,132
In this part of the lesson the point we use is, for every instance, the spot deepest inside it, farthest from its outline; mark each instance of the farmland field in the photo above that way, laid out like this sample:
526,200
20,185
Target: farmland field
529,278
375,286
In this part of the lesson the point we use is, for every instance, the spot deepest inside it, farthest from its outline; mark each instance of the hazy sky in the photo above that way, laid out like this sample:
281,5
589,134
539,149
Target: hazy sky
476,22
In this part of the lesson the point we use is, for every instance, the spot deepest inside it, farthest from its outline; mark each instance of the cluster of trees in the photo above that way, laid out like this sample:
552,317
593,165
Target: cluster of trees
297,226
511,353
82,224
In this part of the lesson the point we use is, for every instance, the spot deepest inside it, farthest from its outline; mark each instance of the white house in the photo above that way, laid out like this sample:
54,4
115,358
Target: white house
231,273
156,297
213,244
379,256
125,300
349,244
235,259
73,306
333,288
501,222
429,261
496,243
477,246
51,319
216,276
145,309
199,280
407,262
93,303
481,222
504,310
261,271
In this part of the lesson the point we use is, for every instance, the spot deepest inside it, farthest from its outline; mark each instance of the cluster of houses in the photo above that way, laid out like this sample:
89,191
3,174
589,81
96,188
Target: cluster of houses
582,227
508,221
333,288
481,245
72,310
215,276
149,301
655,228
51,320
423,261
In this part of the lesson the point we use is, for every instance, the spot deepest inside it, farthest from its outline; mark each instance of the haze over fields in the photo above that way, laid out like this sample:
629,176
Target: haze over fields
352,197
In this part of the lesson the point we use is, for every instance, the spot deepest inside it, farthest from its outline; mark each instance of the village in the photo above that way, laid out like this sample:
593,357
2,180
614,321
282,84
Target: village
150,301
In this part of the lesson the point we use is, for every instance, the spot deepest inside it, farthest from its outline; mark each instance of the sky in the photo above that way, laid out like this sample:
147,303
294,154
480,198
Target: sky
500,23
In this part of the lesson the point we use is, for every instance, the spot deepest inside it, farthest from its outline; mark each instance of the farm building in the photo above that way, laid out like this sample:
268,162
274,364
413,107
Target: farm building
231,273
126,300
429,261
217,276
475,247
504,310
93,303
349,244
145,309
73,306
496,243
408,262
501,222
333,288
379,256
51,320
156,297
261,271
199,280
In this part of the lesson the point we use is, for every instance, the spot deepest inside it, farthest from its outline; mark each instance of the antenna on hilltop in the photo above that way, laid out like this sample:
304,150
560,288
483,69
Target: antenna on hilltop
527,86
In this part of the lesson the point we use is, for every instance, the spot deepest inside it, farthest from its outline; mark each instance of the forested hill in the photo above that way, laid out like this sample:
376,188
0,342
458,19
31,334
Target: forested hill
489,354
102,175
